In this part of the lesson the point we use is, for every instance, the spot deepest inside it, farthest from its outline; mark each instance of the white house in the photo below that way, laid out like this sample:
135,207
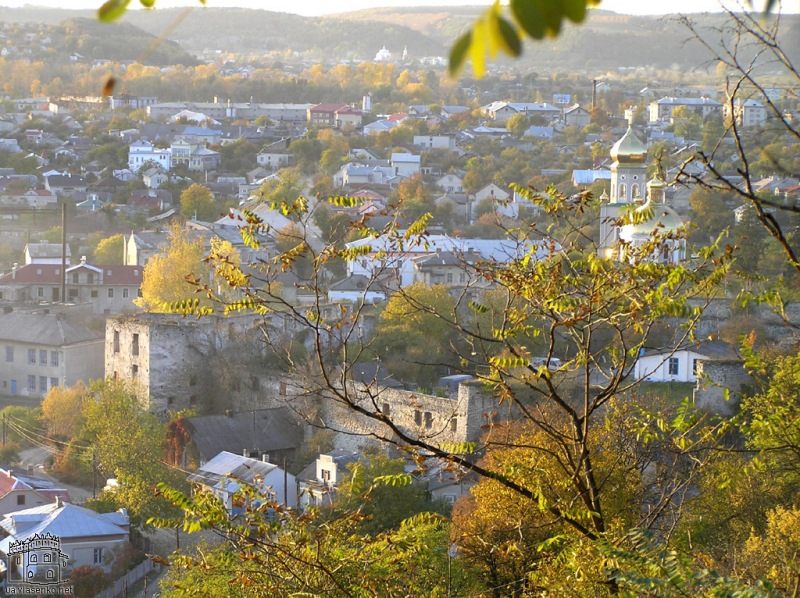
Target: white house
318,481
435,141
141,152
81,537
680,365
226,474
404,164
748,113
577,116
381,254
451,183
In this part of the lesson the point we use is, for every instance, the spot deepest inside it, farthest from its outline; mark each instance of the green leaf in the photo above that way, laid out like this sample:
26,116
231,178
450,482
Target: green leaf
511,43
112,10
528,17
458,53
148,3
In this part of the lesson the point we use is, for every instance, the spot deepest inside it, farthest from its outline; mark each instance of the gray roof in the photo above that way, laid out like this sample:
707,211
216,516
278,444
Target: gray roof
43,329
46,250
266,430
710,350
236,466
63,520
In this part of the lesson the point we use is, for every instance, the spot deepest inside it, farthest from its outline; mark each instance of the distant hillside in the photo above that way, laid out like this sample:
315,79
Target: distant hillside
606,41
249,31
121,41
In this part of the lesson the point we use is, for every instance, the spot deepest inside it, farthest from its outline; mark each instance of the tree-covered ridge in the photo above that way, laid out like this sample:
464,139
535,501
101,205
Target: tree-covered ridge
121,41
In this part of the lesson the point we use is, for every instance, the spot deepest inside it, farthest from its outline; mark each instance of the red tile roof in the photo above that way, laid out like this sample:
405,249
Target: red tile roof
50,274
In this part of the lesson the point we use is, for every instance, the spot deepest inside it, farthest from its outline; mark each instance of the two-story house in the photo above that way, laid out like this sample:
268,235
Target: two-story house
42,350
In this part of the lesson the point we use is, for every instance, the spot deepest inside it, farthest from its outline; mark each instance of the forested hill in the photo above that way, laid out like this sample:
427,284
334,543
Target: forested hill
606,41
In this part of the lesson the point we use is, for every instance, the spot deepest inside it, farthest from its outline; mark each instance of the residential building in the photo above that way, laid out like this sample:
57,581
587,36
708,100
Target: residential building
502,111
576,116
334,115
110,289
317,482
65,184
21,491
84,538
143,153
681,364
451,183
748,113
429,142
43,350
404,164
661,110
45,253
452,269
226,474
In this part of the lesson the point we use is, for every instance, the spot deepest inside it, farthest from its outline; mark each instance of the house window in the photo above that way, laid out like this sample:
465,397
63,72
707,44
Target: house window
694,366
135,347
449,277
10,354
31,356
462,277
93,294
98,556
326,475
673,366
73,294
53,382
31,383
40,291
125,293
42,357
20,499
418,417
116,341
90,278
42,383
110,293
54,358
75,278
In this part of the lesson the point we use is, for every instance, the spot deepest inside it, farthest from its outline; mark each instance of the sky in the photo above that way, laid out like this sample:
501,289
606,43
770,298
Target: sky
320,7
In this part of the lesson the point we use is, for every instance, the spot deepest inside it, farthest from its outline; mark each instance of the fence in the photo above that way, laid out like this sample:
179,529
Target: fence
126,582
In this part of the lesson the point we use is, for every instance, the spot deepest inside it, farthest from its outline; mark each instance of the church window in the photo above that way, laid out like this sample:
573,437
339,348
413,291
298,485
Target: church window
635,191
622,194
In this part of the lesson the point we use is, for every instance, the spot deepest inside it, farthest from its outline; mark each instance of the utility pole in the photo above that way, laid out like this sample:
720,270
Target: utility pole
4,430
63,250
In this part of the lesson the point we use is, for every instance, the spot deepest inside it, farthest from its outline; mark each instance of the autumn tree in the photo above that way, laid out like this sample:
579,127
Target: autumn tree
164,279
518,124
110,251
197,203
62,411
408,319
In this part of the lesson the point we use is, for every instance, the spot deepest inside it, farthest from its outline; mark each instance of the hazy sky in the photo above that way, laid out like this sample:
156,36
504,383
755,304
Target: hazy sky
318,7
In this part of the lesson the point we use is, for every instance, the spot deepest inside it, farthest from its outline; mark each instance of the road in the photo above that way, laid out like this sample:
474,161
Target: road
31,458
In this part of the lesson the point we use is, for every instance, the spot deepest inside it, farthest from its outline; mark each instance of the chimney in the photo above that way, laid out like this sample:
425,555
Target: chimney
14,271
83,260
59,502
